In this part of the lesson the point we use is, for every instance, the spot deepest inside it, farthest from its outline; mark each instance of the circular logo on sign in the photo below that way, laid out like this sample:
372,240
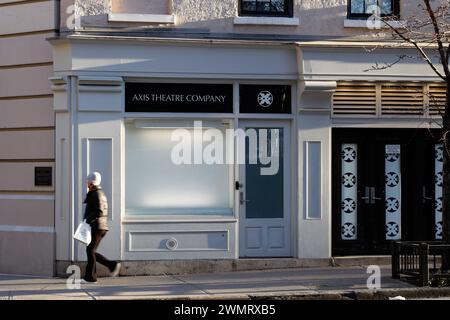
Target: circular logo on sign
265,99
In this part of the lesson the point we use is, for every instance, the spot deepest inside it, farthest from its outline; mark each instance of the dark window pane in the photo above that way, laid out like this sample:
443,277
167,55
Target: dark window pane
371,7
386,6
357,6
248,5
265,6
279,5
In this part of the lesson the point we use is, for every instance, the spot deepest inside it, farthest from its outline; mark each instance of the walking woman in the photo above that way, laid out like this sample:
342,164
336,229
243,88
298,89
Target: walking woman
96,215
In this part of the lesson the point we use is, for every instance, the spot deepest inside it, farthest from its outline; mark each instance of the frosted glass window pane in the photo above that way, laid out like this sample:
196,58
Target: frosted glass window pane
313,176
155,185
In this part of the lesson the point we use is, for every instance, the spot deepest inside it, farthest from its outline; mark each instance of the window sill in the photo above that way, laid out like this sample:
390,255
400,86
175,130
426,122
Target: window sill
273,21
166,212
362,23
142,18
178,219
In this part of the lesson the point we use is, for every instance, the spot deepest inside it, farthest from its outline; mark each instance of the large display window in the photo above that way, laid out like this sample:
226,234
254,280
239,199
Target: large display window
158,182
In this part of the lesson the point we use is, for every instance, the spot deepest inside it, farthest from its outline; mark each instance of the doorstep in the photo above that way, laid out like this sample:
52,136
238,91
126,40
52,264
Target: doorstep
177,267
355,261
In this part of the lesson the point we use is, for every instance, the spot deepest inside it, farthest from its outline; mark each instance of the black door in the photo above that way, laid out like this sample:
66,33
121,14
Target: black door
383,188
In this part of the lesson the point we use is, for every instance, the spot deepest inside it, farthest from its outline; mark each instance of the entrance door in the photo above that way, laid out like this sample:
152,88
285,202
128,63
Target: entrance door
384,189
264,190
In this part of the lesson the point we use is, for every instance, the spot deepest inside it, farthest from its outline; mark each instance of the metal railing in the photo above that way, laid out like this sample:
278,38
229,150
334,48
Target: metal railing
419,260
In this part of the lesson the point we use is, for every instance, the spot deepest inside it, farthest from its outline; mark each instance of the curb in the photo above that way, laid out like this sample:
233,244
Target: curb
382,294
366,294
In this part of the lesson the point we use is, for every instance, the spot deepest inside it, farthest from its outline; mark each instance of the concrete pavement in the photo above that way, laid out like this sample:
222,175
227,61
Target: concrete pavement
303,283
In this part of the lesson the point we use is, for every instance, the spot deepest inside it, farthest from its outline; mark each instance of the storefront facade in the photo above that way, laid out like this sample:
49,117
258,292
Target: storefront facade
118,101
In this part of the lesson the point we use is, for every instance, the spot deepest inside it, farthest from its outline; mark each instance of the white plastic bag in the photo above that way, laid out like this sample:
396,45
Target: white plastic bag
83,233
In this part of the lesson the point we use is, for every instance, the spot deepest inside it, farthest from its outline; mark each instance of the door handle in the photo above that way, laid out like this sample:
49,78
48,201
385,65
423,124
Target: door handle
366,197
373,196
242,201
424,195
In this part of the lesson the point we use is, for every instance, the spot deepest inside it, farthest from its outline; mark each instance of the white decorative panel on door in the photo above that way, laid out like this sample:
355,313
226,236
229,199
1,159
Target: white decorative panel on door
438,160
349,193
393,192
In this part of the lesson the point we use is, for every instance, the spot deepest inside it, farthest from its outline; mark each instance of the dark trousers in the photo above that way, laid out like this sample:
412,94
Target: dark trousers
93,256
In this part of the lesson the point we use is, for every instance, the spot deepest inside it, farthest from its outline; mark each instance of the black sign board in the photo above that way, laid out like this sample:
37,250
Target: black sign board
178,97
43,176
265,98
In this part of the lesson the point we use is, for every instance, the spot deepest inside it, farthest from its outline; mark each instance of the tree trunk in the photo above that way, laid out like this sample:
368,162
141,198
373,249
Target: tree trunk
446,180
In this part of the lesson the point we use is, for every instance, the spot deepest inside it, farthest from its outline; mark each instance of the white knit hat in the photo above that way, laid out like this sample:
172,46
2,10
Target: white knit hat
95,178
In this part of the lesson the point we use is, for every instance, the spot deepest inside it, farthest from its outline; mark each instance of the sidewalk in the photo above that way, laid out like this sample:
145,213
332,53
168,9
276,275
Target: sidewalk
305,283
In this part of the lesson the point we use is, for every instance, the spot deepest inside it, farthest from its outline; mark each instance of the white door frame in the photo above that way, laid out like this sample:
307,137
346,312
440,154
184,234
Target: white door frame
287,194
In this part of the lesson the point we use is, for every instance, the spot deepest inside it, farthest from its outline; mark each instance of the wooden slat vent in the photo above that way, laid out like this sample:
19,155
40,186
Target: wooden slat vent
402,99
436,96
358,98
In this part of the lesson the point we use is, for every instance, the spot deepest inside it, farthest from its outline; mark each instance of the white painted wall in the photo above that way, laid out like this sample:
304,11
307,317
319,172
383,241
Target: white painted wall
103,63
312,17
314,235
168,59
337,63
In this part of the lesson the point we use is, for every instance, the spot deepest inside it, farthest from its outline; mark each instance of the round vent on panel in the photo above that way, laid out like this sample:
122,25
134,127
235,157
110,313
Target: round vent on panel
172,244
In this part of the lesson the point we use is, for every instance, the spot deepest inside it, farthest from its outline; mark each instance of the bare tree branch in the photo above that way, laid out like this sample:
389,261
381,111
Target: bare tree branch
387,65
416,45
438,38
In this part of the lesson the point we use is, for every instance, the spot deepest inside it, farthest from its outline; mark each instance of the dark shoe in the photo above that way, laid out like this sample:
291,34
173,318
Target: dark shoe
116,270
83,281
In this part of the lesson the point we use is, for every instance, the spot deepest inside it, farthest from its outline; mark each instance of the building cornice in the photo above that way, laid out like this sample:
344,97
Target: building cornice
168,40
342,43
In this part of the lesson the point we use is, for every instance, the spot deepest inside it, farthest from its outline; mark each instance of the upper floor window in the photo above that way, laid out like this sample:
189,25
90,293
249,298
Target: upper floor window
277,8
366,8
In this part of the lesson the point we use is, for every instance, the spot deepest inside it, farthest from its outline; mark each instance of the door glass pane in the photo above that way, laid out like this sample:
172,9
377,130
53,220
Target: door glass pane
349,191
438,160
264,188
393,192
